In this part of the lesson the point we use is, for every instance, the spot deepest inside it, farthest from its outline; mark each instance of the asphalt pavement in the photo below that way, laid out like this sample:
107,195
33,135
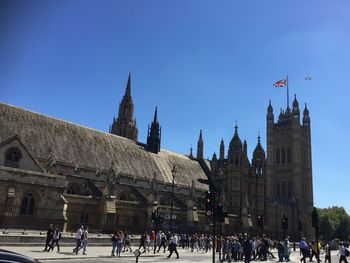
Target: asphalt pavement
103,254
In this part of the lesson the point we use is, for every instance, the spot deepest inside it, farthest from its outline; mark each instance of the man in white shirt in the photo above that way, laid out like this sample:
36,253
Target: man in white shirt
172,245
78,240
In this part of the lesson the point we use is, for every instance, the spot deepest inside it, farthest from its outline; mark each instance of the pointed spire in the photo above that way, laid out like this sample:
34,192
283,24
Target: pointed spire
125,124
128,87
295,102
191,152
222,149
155,119
200,146
269,108
154,135
259,137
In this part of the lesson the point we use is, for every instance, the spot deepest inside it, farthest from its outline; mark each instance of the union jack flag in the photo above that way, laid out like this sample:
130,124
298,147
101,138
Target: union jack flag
280,83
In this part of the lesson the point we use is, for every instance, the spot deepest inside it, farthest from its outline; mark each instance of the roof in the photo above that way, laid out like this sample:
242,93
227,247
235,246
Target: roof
77,145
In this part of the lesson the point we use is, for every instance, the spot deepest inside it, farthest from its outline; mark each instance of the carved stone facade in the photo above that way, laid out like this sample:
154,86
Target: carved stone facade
53,171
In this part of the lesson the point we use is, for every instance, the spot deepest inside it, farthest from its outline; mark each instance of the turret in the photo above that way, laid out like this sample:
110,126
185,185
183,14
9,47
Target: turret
222,150
296,111
154,135
200,146
269,116
306,117
235,149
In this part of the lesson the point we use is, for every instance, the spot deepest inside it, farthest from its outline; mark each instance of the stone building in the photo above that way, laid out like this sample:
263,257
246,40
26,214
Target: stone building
53,171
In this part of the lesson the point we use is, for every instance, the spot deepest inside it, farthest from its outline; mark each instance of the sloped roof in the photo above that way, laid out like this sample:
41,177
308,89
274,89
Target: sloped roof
78,145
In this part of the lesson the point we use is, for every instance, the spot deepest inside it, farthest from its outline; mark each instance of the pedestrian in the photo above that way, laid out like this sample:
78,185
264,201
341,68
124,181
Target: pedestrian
114,244
143,242
85,239
78,239
172,245
120,237
304,250
55,239
286,249
126,244
343,253
49,236
247,246
162,242
327,251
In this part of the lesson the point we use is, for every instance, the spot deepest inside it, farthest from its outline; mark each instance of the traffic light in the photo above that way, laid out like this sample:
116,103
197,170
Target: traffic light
209,203
153,218
260,221
285,222
219,213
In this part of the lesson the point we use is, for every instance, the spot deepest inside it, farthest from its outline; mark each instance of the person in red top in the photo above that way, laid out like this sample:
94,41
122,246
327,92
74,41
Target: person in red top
153,239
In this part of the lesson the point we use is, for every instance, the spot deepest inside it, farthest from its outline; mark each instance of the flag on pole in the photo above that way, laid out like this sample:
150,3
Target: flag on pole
280,83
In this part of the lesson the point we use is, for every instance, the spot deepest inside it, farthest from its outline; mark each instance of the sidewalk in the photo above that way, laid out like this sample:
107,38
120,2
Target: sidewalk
105,252
66,252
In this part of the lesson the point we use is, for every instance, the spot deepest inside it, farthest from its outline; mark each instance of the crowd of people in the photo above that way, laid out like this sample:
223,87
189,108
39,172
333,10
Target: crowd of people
238,247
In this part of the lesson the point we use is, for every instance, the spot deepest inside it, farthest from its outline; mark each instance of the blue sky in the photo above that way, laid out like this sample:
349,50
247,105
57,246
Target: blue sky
205,64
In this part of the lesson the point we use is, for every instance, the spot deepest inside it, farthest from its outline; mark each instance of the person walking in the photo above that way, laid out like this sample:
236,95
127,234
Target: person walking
162,242
173,245
120,237
78,239
49,236
247,248
126,244
85,239
143,242
55,239
342,252
304,250
114,244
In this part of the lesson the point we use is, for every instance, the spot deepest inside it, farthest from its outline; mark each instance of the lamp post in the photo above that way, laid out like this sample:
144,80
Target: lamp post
173,171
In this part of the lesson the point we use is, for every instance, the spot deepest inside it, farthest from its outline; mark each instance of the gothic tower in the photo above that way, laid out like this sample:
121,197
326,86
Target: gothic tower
200,146
125,125
258,181
154,135
289,170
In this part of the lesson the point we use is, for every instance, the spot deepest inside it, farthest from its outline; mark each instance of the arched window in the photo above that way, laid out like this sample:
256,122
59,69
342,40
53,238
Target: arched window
12,157
28,204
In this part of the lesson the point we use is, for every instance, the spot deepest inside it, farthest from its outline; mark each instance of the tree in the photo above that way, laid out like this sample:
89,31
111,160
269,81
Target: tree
334,222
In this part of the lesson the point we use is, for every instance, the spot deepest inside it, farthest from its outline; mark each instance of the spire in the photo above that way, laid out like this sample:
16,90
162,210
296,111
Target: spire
200,146
245,148
154,135
128,87
222,150
155,119
191,152
306,117
125,124
269,108
259,153
295,102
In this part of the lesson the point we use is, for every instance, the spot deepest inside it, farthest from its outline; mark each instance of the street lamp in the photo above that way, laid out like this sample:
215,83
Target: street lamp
173,171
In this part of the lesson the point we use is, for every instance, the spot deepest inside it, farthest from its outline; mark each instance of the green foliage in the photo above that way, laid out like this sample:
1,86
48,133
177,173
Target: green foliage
334,223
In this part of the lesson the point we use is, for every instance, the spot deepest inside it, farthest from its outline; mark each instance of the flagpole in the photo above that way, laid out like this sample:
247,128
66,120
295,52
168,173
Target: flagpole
287,92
